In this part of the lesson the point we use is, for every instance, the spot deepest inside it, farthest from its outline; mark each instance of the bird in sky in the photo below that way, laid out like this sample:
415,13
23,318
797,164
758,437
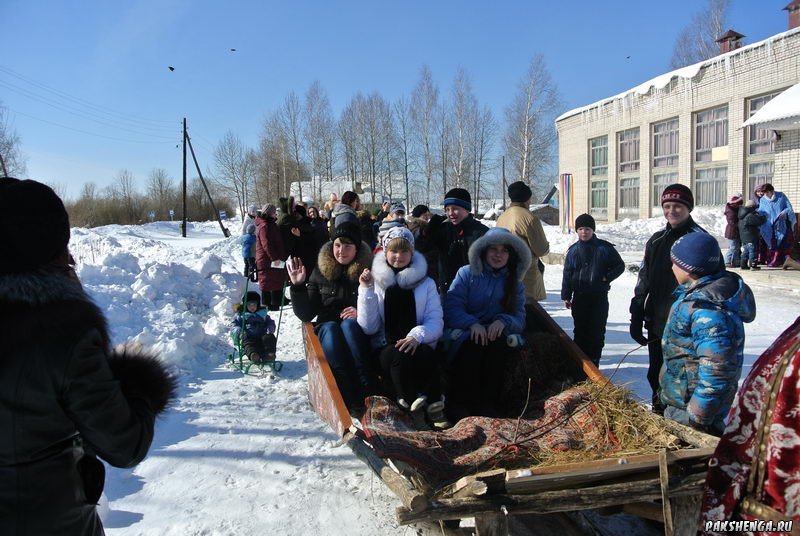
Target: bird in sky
170,67
233,50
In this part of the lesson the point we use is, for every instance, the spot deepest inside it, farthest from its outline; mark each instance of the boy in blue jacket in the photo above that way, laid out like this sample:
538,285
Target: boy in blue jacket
590,266
249,252
259,341
703,339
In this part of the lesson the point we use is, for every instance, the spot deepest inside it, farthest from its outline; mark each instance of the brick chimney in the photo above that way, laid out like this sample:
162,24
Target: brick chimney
731,40
794,14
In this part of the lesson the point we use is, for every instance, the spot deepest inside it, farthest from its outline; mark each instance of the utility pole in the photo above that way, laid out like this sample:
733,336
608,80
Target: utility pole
504,182
185,137
225,231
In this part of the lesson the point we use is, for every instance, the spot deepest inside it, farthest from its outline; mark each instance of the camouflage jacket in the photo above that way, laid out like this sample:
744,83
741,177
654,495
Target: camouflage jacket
703,345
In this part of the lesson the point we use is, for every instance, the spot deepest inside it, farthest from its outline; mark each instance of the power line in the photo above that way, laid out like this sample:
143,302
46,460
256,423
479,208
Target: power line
92,133
142,123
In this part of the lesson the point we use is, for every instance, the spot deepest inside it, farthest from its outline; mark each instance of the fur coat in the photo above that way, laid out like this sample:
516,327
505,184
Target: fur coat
65,398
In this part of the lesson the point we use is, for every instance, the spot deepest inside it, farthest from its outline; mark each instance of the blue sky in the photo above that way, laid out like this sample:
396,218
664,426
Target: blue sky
113,58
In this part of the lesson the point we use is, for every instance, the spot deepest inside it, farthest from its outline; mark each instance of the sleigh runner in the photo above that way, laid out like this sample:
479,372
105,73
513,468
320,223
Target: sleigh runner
442,480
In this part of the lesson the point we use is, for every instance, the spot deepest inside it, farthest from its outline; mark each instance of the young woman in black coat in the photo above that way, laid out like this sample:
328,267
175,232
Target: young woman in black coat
66,398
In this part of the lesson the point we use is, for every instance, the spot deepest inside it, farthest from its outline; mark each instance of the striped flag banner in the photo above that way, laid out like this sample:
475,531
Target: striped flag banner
566,202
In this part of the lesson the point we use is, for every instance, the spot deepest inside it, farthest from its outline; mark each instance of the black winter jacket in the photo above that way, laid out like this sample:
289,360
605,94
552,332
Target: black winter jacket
750,221
64,398
331,287
450,245
652,295
590,266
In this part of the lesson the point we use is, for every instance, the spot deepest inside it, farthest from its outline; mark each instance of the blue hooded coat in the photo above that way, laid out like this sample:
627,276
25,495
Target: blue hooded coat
780,217
703,346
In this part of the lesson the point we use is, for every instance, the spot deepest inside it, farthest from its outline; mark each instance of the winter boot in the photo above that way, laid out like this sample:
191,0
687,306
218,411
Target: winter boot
436,416
419,402
254,357
402,403
418,418
515,341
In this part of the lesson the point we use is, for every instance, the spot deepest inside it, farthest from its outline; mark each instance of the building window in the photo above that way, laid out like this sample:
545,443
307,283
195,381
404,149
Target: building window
759,140
660,182
598,155
598,206
628,150
759,173
665,143
711,130
629,195
711,186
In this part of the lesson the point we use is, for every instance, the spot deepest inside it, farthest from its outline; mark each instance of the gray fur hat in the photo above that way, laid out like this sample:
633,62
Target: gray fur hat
496,236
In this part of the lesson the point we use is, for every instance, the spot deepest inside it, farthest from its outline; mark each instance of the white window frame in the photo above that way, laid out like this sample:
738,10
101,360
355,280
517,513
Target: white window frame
666,138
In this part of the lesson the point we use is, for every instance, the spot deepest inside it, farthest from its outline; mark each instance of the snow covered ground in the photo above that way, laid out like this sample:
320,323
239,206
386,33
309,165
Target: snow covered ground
247,455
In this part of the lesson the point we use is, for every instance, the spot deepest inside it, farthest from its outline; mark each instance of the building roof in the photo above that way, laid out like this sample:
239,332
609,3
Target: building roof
792,6
780,113
689,72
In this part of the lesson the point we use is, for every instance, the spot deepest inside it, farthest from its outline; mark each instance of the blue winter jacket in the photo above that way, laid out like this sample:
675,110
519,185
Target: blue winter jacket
780,217
703,346
248,241
256,325
590,266
477,298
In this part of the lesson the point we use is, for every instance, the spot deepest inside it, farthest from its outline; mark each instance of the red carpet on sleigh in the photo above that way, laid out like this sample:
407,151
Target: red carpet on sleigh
563,422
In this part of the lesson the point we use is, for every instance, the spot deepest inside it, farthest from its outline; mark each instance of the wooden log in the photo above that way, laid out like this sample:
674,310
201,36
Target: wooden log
554,501
663,479
578,474
690,435
686,515
474,488
412,499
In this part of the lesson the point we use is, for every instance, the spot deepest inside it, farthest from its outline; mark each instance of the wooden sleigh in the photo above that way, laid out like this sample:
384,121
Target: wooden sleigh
665,487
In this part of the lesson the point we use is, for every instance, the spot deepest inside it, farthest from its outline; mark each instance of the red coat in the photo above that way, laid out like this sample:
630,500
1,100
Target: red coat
732,219
756,466
269,248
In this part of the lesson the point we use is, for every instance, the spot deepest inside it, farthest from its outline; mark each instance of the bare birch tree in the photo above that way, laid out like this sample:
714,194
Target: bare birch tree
317,131
402,113
234,170
12,162
424,108
530,135
462,112
697,40
160,191
483,136
291,114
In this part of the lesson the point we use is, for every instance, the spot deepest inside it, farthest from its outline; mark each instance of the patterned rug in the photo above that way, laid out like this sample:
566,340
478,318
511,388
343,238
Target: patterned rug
562,422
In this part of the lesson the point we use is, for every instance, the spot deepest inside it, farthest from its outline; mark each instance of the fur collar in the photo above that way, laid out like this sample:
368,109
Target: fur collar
41,287
408,278
494,237
332,270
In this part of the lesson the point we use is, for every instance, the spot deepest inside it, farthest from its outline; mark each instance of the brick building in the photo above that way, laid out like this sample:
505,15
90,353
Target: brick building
687,126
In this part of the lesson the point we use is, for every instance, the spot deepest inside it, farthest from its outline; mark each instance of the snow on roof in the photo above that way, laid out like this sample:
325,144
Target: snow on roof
688,72
780,113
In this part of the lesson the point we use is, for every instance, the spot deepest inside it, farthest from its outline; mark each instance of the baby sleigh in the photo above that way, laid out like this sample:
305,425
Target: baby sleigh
520,496
247,356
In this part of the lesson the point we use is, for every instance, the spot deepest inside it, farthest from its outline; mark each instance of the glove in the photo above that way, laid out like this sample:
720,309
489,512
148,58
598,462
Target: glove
637,323
434,224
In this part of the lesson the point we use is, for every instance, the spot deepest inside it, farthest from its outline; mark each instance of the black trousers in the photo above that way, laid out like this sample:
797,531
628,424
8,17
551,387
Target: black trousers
250,269
656,356
590,314
476,376
261,346
411,374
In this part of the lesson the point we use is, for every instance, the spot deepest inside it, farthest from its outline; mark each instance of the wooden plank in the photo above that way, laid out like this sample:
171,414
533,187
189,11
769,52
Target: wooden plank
493,524
323,393
578,474
412,499
663,479
686,515
555,501
647,510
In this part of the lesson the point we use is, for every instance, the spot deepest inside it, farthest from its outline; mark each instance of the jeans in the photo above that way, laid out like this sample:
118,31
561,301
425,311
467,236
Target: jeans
749,255
732,255
347,350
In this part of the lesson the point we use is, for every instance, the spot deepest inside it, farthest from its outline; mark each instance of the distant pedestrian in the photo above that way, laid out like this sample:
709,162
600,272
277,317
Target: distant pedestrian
590,266
249,218
778,229
732,256
249,253
750,221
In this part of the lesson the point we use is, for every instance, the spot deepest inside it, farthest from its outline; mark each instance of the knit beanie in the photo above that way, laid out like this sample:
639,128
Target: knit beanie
584,220
34,225
678,193
349,231
397,208
696,253
397,232
519,192
459,197
419,210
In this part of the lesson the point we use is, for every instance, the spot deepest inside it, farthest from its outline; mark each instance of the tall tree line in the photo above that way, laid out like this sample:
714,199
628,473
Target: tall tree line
414,148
